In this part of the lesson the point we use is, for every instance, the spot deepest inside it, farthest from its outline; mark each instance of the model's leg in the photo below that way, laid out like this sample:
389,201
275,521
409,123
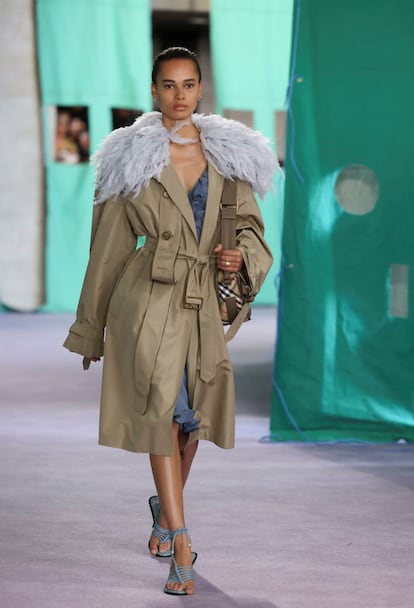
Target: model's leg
169,483
187,455
171,466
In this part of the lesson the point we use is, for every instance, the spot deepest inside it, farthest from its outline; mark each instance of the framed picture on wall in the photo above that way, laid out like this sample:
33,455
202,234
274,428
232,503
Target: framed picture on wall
71,134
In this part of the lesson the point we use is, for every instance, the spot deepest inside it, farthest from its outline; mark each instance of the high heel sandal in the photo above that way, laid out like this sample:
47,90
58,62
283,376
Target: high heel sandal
158,531
179,574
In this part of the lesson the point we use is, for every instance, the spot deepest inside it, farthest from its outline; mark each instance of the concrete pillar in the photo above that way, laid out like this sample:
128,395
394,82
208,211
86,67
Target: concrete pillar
21,166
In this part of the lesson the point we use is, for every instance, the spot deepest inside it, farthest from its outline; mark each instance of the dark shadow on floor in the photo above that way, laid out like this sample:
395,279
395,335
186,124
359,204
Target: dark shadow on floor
209,596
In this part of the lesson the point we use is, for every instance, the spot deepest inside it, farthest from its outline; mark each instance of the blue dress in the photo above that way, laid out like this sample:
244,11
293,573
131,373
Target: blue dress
183,413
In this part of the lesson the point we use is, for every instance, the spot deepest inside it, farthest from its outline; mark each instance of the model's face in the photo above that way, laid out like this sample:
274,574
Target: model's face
177,90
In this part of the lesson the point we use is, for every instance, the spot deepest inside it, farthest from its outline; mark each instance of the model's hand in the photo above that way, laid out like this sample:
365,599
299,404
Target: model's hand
230,260
87,361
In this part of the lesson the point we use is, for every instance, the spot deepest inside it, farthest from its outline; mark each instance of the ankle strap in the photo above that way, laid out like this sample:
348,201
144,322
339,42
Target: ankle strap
178,531
174,534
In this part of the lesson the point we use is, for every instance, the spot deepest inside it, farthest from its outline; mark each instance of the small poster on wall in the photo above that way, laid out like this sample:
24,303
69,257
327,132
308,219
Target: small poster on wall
71,144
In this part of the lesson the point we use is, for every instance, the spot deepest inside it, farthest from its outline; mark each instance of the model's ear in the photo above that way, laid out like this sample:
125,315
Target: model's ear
154,91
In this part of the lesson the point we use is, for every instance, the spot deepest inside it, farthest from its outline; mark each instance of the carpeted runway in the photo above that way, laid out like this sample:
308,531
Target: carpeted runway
275,525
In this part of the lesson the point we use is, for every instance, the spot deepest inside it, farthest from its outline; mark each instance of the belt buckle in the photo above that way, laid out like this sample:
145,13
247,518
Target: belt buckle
193,302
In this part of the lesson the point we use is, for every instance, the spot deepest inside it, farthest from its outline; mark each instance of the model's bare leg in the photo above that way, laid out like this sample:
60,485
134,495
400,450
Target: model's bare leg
187,457
168,480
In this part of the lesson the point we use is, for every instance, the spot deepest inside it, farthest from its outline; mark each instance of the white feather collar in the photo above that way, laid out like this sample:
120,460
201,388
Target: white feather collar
130,157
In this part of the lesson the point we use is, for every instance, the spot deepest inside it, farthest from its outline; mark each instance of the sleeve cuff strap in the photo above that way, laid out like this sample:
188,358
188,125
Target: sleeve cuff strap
86,345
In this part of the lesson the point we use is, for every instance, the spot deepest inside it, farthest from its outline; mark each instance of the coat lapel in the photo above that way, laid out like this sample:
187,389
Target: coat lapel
215,186
172,184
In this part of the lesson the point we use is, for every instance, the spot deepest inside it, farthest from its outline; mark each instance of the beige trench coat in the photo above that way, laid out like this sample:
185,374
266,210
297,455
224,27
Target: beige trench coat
160,310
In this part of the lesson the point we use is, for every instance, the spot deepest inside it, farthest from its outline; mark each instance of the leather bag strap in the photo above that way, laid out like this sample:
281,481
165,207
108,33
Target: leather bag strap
228,214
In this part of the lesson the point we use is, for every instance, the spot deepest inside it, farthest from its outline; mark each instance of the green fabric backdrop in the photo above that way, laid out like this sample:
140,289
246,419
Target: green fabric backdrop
95,54
345,362
250,53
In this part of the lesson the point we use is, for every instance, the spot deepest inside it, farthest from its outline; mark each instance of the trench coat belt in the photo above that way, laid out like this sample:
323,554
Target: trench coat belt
196,297
196,293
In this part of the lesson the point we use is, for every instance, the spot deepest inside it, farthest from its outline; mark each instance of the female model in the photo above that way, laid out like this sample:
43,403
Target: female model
167,378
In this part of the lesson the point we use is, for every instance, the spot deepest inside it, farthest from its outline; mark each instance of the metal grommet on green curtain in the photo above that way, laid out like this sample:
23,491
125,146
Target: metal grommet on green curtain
357,189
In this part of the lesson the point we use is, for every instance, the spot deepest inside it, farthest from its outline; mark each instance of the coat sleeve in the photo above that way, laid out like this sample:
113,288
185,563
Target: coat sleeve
113,241
256,254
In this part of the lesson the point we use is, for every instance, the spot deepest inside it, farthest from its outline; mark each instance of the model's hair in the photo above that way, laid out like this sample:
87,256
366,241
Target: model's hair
174,52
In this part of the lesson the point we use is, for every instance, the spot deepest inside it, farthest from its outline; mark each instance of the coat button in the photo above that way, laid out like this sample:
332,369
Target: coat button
166,235
165,194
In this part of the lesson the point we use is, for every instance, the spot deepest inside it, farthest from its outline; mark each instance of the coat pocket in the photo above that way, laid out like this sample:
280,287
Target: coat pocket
127,281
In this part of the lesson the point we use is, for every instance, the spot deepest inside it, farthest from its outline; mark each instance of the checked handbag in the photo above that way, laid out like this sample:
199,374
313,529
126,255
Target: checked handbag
233,291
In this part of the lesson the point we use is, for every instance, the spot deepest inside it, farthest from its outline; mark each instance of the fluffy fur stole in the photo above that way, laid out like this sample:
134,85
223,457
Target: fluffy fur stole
130,157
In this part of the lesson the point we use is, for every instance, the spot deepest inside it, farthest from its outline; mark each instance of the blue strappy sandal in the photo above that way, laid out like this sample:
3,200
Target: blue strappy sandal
158,531
179,574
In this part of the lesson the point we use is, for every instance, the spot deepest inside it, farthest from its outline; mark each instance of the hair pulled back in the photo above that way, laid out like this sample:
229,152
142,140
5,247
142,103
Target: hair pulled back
174,52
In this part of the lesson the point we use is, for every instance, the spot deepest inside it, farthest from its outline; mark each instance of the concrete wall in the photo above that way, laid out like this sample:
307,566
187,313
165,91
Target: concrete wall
181,5
21,174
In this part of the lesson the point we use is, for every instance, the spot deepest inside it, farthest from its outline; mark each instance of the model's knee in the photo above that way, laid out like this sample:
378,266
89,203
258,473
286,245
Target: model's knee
175,429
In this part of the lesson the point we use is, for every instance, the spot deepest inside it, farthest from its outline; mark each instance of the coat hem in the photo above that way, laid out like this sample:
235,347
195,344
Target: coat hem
195,436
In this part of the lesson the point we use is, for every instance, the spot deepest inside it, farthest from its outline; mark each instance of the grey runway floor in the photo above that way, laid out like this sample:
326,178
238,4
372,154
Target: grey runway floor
275,525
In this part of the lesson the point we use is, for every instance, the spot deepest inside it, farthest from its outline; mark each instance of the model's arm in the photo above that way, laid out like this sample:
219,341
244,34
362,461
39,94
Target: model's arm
113,242
257,258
